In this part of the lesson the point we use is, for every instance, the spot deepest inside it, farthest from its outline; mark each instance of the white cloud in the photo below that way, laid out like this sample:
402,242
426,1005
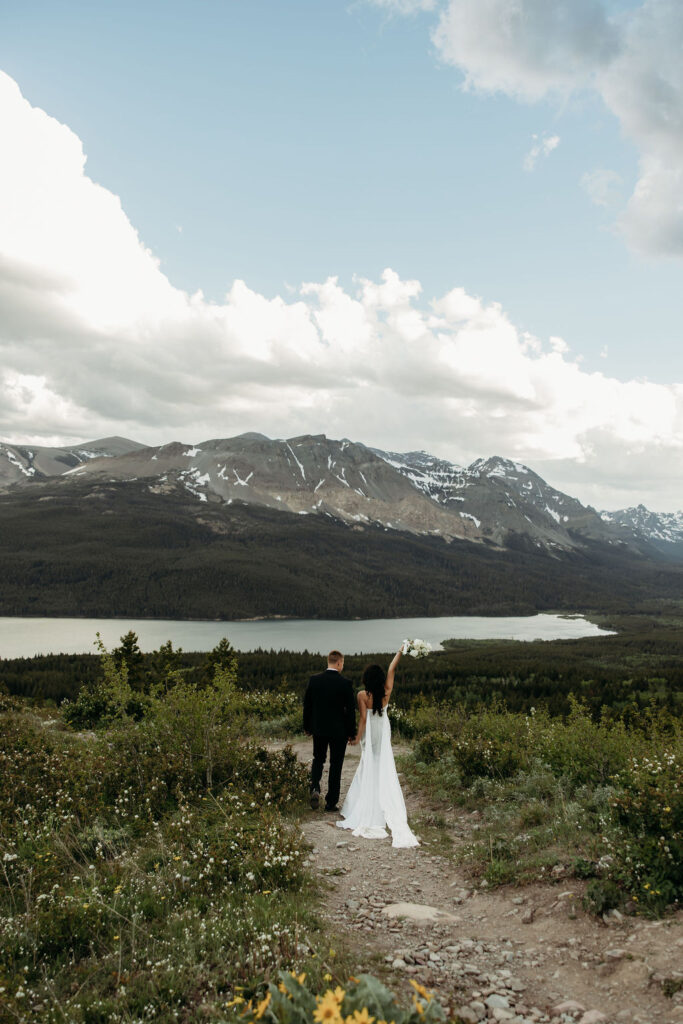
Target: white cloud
526,47
95,340
531,49
542,146
602,186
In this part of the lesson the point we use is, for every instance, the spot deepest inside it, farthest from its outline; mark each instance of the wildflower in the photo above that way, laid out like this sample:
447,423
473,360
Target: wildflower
361,1017
327,1009
262,1007
339,994
421,990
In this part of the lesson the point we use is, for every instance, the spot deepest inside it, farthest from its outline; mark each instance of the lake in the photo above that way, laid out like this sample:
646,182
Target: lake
26,637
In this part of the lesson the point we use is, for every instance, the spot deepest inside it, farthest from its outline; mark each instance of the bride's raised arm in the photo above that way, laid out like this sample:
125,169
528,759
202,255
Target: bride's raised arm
389,685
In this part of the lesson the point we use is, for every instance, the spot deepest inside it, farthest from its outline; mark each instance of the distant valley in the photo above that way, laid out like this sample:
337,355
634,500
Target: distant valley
310,526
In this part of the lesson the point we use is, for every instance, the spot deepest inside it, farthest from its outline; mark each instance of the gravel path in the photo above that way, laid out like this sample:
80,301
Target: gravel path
527,954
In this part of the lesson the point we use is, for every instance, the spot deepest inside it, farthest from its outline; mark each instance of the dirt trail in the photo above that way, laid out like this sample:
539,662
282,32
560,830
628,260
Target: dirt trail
514,954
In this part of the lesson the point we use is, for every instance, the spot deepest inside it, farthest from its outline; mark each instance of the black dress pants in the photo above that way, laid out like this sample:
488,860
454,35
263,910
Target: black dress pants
337,750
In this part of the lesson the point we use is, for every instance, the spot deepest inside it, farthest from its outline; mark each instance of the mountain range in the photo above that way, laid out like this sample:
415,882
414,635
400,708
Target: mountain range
494,501
314,528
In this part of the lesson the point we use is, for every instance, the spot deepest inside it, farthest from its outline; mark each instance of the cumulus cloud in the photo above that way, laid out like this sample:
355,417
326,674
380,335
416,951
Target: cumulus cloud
526,47
95,340
532,49
542,146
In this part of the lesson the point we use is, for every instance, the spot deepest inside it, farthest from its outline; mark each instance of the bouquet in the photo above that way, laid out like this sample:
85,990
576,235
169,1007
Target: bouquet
416,648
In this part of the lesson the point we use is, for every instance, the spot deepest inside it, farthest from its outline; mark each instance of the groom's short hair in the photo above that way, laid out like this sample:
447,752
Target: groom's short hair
334,657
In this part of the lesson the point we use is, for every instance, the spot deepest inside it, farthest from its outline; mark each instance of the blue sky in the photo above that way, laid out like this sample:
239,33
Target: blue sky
292,141
281,143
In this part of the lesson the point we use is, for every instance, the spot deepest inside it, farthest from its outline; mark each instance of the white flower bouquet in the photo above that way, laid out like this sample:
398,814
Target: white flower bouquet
416,648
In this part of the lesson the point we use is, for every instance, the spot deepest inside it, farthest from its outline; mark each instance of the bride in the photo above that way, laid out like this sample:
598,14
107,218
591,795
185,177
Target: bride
374,799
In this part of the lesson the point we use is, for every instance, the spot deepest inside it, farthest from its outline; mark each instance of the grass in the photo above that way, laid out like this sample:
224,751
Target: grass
590,798
152,866
128,891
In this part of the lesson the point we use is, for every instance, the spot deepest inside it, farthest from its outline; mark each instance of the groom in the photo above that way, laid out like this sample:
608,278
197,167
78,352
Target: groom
330,717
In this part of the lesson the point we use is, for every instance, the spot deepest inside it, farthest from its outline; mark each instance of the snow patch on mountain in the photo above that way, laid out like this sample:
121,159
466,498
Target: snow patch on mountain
662,527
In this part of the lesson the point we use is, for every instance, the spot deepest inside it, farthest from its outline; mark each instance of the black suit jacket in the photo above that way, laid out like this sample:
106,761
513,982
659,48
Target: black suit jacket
330,706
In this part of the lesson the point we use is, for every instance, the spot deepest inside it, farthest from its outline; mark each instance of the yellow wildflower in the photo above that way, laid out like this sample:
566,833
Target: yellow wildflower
327,977
421,990
327,1011
339,994
262,1007
362,1016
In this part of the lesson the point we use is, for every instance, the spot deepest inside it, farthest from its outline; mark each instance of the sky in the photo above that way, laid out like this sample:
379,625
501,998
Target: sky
449,225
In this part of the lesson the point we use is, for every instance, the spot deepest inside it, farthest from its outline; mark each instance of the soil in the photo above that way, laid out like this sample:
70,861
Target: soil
511,953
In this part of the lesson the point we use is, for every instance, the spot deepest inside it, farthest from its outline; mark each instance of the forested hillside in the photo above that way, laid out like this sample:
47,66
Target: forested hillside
121,550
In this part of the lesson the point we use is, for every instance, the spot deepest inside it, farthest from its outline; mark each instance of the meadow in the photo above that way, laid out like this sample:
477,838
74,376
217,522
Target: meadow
152,867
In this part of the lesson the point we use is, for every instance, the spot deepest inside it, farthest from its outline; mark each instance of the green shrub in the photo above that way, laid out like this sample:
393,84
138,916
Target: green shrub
580,749
646,842
432,747
602,894
109,698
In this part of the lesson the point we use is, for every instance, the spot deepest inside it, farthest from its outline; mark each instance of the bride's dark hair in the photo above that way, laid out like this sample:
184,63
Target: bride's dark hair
374,681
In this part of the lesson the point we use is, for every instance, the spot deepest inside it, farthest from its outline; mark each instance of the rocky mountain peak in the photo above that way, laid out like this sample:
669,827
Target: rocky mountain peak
494,500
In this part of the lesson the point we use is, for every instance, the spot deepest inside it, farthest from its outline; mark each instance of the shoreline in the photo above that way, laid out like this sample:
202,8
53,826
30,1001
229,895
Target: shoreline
563,614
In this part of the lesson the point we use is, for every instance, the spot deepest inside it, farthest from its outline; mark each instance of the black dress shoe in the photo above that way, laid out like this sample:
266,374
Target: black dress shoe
315,799
332,810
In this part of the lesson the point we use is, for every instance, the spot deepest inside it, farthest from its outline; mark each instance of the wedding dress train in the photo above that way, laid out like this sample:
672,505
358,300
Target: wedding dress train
374,800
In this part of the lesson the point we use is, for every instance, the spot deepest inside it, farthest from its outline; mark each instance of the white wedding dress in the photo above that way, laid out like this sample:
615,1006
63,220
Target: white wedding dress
374,800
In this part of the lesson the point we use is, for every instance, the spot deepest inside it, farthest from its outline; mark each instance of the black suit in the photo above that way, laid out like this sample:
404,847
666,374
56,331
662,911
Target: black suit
330,715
